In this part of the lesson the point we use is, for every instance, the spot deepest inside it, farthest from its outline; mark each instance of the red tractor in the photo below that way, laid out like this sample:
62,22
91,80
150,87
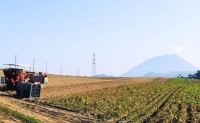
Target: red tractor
17,75
12,76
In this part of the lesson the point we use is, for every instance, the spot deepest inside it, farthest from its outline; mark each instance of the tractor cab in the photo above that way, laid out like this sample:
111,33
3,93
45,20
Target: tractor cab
12,76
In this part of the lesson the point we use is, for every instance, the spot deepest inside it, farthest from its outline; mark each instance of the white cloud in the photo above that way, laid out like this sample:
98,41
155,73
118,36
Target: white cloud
178,49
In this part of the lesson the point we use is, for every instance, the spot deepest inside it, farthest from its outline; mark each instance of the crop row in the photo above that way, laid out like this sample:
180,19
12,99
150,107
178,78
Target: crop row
124,102
182,106
175,101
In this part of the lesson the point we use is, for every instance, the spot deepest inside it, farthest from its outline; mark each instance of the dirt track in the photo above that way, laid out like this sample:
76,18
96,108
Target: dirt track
8,119
44,113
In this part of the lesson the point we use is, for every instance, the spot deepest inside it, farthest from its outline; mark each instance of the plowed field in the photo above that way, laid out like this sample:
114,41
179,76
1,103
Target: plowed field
63,85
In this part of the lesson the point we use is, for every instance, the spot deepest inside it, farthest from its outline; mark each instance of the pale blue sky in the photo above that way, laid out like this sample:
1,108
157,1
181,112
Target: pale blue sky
122,33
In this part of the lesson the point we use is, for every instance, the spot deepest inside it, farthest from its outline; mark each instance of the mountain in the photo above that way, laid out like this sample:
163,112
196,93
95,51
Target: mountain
102,75
162,65
153,74
175,73
170,74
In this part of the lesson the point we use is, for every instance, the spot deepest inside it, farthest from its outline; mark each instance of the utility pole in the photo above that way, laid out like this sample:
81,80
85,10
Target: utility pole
61,69
15,61
78,72
46,67
93,65
33,64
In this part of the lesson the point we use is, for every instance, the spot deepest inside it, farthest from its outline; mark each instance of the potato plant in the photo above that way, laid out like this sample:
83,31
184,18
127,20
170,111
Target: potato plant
177,100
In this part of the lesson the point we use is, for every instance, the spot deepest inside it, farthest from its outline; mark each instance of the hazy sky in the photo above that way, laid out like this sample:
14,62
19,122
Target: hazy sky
122,33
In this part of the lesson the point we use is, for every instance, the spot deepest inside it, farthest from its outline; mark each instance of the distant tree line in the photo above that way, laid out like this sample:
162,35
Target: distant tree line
195,76
179,76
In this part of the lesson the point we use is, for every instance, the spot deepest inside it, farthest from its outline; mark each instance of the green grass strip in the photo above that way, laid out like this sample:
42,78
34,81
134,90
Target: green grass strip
19,116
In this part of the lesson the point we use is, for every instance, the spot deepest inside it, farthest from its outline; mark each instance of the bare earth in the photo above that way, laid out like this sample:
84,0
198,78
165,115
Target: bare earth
60,86
8,119
70,85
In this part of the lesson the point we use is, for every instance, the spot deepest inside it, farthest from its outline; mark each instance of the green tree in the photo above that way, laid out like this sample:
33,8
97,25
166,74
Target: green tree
198,74
195,76
190,76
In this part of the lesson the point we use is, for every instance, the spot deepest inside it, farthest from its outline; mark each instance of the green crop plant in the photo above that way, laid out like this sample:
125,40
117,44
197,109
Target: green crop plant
155,101
23,118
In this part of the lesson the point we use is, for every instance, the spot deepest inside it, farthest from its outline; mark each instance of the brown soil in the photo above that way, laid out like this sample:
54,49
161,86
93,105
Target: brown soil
8,119
81,85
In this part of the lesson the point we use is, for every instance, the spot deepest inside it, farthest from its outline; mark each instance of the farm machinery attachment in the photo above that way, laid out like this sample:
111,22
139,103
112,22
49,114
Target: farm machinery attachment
26,84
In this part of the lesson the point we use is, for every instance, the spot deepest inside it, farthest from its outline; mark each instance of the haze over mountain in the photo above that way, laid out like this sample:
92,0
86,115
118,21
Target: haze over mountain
170,74
161,65
102,75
